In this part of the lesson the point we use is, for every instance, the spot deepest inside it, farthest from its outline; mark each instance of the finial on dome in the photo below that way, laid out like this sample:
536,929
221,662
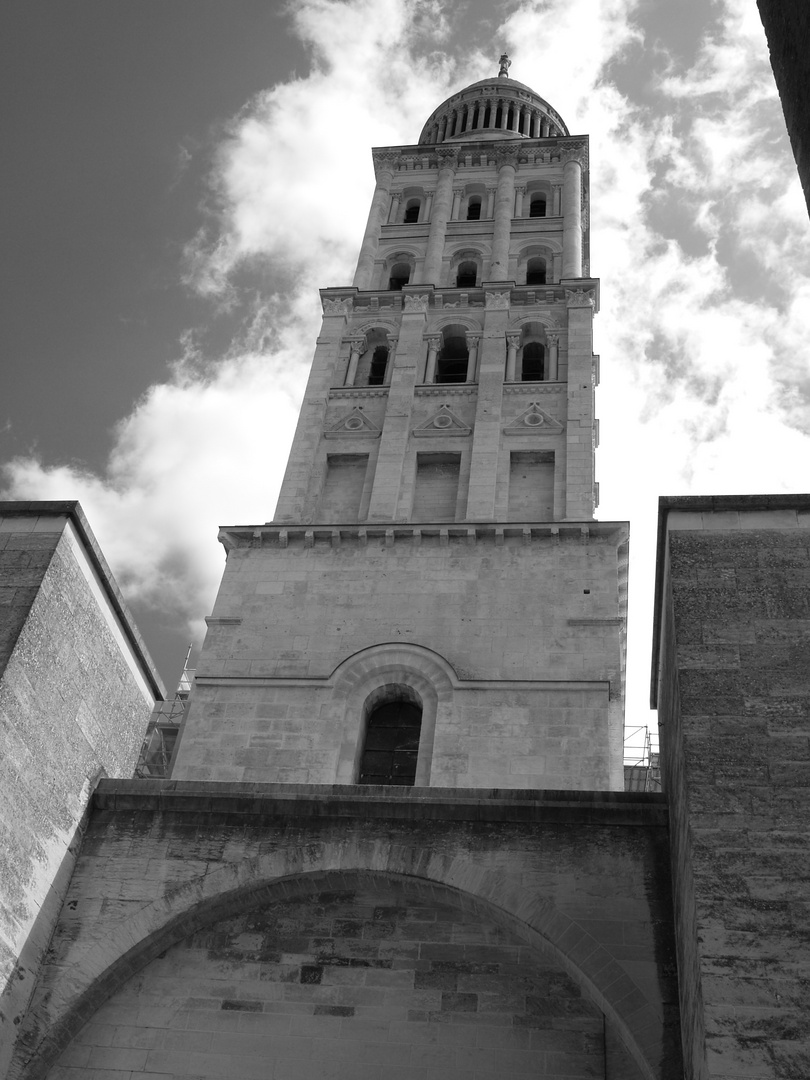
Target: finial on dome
505,63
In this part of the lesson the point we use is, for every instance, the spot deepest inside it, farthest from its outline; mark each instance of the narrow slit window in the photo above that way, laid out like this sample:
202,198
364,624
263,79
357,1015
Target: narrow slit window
400,275
533,364
466,275
536,272
379,365
392,744
451,366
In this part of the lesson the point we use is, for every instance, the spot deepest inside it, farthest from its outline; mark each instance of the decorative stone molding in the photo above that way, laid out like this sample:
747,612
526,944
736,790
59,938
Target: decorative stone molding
447,157
498,301
515,533
580,298
417,303
357,391
337,307
535,388
507,154
443,423
355,424
534,421
384,162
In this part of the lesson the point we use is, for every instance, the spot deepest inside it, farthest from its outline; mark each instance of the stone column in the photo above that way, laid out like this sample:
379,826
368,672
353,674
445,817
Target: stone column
572,218
472,359
384,167
428,205
392,216
556,191
482,107
512,346
442,202
457,194
504,115
519,193
356,347
491,201
434,343
504,206
553,356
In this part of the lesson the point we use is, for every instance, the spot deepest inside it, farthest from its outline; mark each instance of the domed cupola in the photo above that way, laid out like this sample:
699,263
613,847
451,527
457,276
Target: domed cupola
499,108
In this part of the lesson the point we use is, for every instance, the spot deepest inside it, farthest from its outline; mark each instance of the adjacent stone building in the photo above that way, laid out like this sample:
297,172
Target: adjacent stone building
76,689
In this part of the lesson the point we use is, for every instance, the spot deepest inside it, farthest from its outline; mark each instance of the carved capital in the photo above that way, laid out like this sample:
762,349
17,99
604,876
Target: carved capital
384,163
520,189
473,338
337,307
553,337
447,157
575,152
497,300
513,341
579,298
416,303
506,155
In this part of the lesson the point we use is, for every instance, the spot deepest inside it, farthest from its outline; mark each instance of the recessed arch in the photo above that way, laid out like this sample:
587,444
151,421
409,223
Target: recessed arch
335,865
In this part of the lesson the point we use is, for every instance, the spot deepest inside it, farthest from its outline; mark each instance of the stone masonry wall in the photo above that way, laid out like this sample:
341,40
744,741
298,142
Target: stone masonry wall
513,642
464,934
734,705
351,984
70,711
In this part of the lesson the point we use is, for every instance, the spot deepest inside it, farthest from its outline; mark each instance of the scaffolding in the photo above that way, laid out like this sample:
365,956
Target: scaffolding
642,766
155,758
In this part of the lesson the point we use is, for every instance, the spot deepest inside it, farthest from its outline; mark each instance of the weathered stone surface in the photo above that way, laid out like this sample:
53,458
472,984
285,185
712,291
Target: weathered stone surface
569,889
735,724
76,691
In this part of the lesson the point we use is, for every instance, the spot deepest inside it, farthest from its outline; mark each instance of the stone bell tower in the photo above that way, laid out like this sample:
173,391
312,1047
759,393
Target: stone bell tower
434,553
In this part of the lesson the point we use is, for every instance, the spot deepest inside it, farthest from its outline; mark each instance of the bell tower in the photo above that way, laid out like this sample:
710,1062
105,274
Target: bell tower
433,603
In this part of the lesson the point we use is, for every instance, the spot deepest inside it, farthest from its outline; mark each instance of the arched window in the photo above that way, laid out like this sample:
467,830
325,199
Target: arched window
474,208
392,744
451,364
379,363
537,207
533,362
400,275
466,275
412,212
536,271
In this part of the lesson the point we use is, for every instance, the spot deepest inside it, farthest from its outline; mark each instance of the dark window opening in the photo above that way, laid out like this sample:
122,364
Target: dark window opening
534,355
474,210
537,207
466,275
411,213
392,745
536,272
379,362
451,366
400,275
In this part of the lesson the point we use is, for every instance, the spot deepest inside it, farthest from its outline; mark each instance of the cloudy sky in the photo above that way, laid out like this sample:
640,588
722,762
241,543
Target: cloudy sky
182,175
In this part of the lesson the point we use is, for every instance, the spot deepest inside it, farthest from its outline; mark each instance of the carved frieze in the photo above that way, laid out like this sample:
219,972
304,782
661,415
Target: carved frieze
337,307
580,298
497,301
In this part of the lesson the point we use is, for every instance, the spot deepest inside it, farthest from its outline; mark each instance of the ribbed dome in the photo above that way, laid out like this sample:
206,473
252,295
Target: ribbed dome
498,108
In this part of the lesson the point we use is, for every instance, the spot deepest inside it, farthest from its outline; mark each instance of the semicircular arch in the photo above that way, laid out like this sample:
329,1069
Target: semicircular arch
327,865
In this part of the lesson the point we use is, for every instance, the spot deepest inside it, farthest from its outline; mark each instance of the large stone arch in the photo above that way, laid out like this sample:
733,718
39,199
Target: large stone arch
127,946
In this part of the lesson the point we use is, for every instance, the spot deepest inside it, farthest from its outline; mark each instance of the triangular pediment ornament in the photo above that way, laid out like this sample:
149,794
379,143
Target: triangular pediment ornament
355,424
533,421
443,422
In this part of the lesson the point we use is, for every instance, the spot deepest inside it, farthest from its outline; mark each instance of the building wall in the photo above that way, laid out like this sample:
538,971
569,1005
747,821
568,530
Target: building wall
787,26
263,931
512,639
733,692
74,702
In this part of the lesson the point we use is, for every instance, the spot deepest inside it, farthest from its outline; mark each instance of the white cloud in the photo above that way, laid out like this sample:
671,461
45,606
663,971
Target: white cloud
696,215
